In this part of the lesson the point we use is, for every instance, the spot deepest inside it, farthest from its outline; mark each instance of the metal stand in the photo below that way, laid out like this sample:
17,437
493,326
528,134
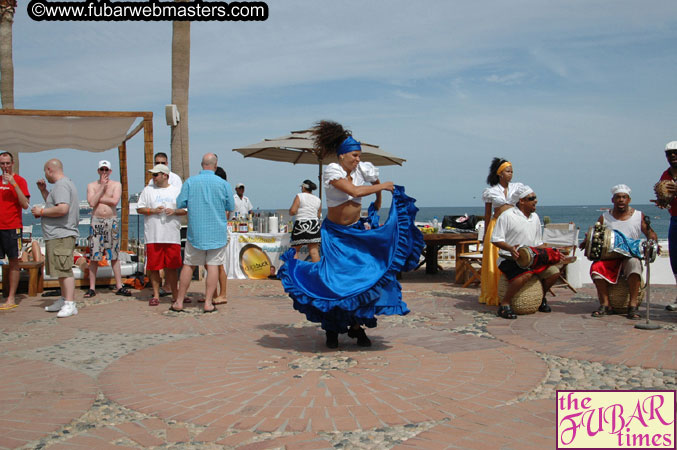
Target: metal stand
650,249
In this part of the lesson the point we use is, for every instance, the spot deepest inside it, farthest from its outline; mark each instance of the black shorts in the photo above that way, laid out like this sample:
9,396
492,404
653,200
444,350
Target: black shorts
10,243
511,270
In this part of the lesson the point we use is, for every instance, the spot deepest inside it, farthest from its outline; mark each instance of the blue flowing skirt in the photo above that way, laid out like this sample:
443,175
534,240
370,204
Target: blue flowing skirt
356,278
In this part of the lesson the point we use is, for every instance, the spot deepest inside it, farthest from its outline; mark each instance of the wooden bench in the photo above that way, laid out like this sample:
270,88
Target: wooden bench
35,277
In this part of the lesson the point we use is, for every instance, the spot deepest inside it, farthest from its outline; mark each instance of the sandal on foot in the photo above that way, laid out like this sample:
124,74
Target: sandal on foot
545,308
506,312
602,311
632,313
153,302
123,291
171,308
90,293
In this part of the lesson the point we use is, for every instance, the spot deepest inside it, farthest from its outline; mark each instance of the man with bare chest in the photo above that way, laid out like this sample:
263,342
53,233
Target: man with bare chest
103,195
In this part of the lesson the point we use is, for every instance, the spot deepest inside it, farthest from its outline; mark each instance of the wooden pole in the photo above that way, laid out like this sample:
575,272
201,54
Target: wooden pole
124,236
147,148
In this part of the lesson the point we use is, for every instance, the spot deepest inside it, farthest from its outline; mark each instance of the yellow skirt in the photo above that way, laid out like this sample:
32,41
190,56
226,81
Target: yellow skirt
490,272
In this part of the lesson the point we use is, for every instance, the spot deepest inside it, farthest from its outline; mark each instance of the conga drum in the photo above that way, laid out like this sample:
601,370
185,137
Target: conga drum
604,243
535,258
528,299
619,296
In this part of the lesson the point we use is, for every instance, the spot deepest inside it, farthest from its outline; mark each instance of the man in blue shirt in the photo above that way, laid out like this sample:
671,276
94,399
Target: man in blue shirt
207,198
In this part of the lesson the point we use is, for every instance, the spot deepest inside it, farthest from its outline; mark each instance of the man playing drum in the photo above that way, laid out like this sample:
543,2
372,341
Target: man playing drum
669,201
630,222
518,227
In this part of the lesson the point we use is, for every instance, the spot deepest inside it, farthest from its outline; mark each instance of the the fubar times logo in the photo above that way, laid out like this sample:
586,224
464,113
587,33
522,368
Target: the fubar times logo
615,419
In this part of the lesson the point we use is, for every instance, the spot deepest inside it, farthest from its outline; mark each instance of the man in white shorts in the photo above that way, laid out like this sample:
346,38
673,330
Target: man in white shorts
207,198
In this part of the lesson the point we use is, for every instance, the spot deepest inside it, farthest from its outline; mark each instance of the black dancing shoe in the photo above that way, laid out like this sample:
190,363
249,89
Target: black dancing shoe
544,306
362,339
332,339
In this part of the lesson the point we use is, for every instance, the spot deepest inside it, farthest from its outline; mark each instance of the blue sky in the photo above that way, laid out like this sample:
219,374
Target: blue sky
579,95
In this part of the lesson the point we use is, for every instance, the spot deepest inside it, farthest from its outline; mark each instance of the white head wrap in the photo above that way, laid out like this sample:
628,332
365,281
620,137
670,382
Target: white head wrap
520,193
621,189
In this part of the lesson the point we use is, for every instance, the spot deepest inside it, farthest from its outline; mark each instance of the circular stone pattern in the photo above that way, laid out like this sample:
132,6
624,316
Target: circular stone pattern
38,398
322,362
234,383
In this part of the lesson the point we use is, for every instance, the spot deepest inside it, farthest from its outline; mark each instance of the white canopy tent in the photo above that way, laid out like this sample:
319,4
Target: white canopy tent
29,131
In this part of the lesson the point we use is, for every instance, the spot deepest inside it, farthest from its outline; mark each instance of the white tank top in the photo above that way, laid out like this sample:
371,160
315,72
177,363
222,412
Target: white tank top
631,228
309,204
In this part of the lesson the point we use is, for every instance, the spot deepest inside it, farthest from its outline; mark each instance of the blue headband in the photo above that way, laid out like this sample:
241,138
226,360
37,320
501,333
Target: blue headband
348,145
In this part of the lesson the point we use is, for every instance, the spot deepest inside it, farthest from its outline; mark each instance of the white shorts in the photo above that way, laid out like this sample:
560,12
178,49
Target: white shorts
195,257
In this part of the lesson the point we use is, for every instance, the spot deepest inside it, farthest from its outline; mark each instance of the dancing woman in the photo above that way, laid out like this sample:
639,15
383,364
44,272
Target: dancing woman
355,278
497,197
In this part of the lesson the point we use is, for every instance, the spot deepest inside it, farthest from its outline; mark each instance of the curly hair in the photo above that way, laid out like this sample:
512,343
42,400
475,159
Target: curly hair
492,179
328,137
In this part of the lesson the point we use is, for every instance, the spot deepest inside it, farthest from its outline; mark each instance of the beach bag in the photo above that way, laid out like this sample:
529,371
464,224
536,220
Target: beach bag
463,222
138,282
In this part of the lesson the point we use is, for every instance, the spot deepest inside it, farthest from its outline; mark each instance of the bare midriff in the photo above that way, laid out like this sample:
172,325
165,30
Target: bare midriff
346,213
103,211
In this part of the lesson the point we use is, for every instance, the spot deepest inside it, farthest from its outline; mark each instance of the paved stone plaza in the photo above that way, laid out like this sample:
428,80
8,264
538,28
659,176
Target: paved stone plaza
256,375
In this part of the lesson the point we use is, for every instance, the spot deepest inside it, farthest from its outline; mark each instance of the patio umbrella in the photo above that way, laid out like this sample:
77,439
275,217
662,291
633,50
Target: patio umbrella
299,148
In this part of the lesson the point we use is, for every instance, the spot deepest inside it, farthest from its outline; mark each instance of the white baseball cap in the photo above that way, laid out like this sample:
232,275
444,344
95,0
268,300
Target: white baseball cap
672,145
104,163
160,168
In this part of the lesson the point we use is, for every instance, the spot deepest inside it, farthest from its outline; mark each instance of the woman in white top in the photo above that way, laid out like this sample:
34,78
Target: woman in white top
307,208
497,198
356,277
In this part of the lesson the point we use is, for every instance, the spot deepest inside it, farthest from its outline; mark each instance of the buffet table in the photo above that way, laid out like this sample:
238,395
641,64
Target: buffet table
252,255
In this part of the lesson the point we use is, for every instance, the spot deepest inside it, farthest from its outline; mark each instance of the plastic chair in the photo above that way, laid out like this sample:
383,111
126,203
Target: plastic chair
564,237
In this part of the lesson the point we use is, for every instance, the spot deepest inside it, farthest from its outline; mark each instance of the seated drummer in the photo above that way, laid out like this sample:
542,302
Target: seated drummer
630,222
516,227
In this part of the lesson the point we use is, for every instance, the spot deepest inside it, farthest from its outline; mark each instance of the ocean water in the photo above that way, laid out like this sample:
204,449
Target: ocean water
583,216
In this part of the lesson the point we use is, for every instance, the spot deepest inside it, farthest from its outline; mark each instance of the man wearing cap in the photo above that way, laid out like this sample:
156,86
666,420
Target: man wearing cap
630,222
207,198
243,207
174,180
13,198
103,195
162,230
516,227
671,175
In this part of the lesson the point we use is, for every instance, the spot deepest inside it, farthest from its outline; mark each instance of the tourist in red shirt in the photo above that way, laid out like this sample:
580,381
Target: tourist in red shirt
13,198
